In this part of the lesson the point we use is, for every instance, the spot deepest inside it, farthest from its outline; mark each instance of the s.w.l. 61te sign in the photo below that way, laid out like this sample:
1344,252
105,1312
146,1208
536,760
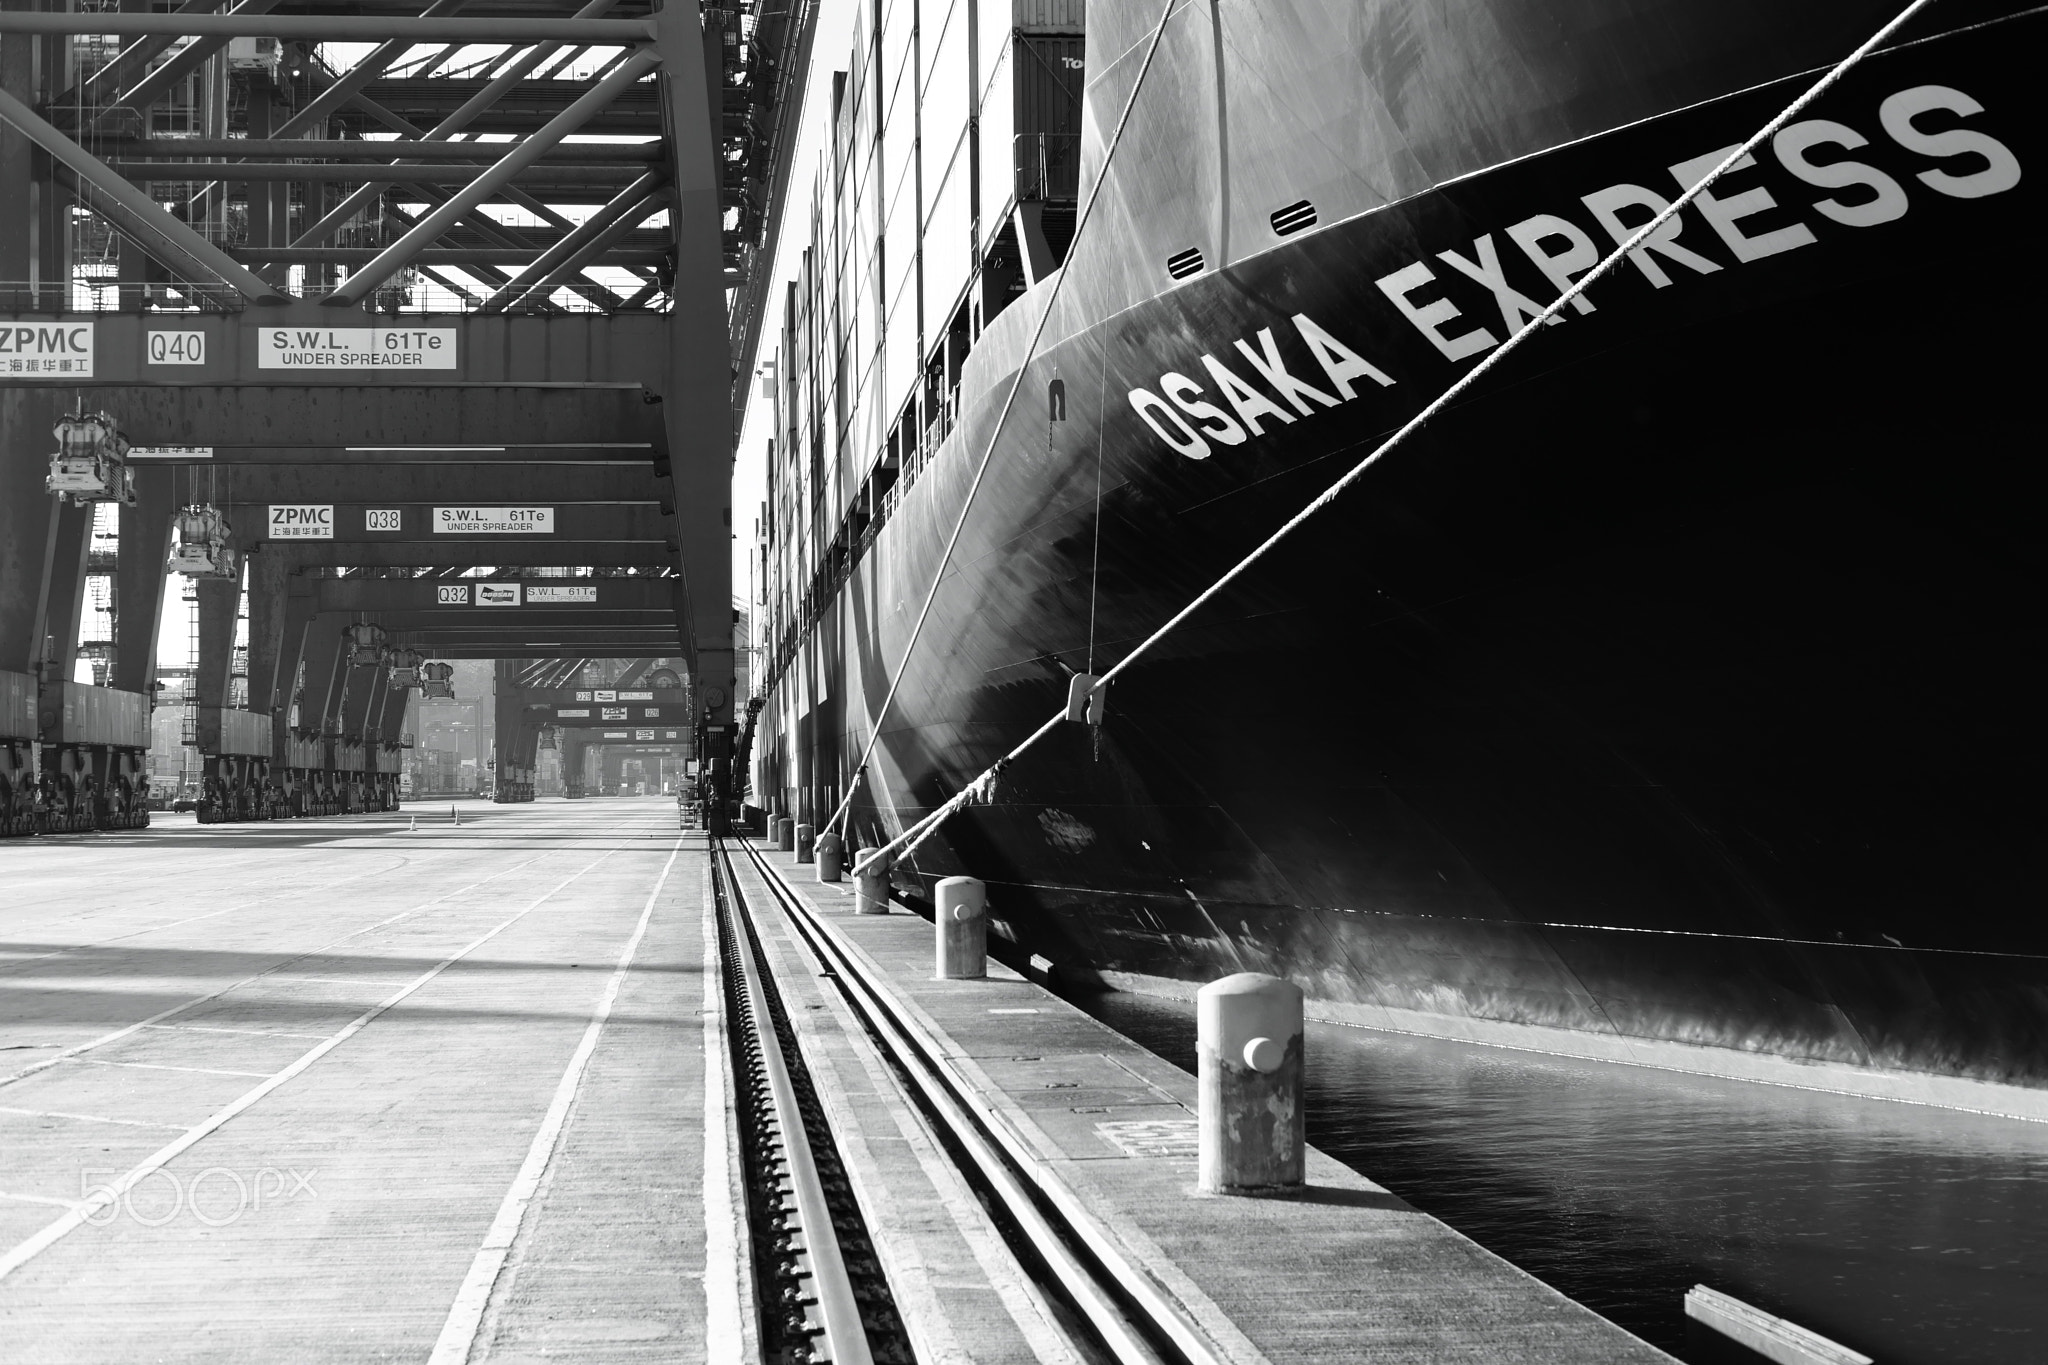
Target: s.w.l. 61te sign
355,348
494,521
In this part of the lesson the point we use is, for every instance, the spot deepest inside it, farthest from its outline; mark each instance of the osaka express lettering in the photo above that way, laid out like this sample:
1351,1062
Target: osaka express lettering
1466,299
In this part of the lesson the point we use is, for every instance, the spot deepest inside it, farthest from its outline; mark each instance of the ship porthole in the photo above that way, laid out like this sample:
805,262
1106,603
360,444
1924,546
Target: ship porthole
1296,216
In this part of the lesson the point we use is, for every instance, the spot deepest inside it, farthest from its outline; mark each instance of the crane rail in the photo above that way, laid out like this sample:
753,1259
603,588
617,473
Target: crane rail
1110,1310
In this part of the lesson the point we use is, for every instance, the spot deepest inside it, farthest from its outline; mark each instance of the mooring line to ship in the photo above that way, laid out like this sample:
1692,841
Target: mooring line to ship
988,453
981,787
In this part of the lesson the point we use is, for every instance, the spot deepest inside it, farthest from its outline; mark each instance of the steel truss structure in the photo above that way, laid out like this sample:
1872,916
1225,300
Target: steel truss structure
393,309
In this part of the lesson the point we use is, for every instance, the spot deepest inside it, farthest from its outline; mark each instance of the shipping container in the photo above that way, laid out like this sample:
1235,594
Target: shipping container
17,706
73,713
1051,16
1051,73
223,730
951,117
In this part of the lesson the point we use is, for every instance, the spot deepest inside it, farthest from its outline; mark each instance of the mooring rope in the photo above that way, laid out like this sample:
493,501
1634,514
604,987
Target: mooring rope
1009,401
982,787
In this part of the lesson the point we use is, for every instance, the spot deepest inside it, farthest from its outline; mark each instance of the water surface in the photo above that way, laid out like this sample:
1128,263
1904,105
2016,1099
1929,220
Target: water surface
1912,1234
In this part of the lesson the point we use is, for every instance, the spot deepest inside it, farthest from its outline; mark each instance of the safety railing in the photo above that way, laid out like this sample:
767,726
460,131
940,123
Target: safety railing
1048,166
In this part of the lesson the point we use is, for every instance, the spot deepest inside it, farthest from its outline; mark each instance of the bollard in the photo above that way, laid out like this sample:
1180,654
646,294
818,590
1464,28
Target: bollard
830,855
870,883
961,921
414,827
1248,1040
806,845
455,815
785,834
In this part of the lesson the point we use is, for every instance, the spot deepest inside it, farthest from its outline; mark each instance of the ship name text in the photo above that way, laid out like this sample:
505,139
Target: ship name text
1449,299
1250,408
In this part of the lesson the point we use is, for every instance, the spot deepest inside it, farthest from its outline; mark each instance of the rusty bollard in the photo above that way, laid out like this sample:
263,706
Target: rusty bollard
1248,1039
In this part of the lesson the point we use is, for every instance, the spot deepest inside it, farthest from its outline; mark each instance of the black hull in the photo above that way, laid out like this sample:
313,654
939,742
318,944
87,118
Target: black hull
1676,687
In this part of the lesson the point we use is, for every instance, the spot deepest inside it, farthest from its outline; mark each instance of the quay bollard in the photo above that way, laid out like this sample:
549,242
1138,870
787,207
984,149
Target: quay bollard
1248,1042
785,834
961,922
831,855
806,845
870,883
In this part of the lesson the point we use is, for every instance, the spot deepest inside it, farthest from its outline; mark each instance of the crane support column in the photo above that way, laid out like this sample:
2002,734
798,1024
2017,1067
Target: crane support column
319,703
140,582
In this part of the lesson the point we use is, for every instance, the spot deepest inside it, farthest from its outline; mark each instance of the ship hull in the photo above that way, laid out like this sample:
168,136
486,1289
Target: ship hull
1674,686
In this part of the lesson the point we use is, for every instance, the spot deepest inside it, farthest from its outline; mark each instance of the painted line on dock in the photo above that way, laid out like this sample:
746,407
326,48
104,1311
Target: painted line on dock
252,1032
322,888
161,1066
458,1333
33,1246
40,1199
90,1118
175,1010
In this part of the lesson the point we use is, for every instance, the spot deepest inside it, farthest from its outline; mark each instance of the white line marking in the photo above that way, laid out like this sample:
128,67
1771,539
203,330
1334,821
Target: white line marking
121,1033
28,1249
258,1032
159,1066
458,1334
90,1118
40,1199
189,919
1016,1011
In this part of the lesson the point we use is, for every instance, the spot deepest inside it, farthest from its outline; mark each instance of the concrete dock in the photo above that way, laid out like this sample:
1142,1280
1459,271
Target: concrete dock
1342,1270
316,1059
337,1090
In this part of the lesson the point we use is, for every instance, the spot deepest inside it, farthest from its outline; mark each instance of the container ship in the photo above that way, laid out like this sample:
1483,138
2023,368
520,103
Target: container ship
1669,697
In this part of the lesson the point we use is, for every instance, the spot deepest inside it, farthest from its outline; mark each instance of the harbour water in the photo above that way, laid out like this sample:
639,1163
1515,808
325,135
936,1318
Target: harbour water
1914,1235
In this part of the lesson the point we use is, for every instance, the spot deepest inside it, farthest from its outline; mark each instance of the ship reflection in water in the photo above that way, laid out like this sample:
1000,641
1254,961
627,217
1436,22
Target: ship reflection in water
1914,1235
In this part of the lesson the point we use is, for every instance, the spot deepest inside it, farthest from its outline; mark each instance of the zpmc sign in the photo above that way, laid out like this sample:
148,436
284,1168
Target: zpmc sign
45,349
302,521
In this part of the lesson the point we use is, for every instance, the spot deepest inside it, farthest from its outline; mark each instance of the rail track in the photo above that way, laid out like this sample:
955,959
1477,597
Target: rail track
822,1290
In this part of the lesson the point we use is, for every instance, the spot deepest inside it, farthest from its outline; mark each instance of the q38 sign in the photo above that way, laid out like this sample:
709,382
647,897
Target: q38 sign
301,521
